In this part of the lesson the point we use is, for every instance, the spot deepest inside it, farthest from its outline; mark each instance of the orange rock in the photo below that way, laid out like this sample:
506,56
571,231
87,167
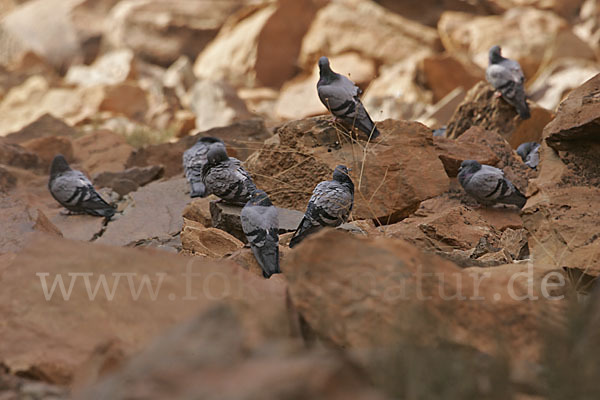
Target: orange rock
443,73
210,242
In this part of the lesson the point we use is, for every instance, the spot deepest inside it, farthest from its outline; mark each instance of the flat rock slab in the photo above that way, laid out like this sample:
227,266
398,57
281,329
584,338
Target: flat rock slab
155,212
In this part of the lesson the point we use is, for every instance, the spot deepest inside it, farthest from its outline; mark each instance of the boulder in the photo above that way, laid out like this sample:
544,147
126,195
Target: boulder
7,180
131,178
389,184
112,68
242,139
159,32
227,343
216,104
46,125
18,156
428,12
396,38
555,82
227,217
588,26
209,242
374,293
126,98
532,37
452,153
120,295
442,73
198,210
259,45
481,108
49,146
102,150
565,8
562,214
154,212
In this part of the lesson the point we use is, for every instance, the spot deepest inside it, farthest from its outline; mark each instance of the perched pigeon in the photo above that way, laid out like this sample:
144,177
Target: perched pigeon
194,160
330,205
488,185
75,192
225,177
440,132
506,76
529,153
260,225
340,95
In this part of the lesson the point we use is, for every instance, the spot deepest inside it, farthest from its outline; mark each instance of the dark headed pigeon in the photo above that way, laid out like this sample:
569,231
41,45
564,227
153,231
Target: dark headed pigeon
226,178
194,160
488,185
260,225
529,153
75,192
340,95
329,205
506,76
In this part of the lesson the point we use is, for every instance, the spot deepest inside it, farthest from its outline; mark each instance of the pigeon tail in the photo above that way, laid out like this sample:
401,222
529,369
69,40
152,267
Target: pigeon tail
269,265
304,229
106,212
517,198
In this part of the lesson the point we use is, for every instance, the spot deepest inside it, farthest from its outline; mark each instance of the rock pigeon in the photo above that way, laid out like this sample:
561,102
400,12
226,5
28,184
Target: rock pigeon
329,205
261,225
488,185
225,177
506,76
194,160
529,153
74,191
340,95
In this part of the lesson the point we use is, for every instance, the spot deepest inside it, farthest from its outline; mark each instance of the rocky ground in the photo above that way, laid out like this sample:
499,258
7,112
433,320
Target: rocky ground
422,295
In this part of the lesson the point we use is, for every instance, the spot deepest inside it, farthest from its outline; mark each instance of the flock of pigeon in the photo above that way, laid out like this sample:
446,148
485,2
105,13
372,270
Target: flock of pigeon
209,170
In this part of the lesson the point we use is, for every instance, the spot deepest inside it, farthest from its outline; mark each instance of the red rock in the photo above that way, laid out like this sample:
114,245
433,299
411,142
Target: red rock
453,153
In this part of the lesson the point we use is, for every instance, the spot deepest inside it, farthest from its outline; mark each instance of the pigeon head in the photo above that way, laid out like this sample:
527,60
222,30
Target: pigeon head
209,140
469,166
495,55
59,165
260,198
216,154
341,174
325,71
524,149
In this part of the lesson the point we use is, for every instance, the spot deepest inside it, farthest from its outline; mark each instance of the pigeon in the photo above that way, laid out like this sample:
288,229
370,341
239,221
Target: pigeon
506,76
225,177
329,205
440,132
340,95
194,160
261,225
488,185
74,191
529,153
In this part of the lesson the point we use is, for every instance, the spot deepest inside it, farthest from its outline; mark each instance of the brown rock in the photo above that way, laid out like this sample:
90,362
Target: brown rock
225,349
17,156
198,210
366,293
46,125
155,212
160,32
7,180
138,176
112,68
428,12
453,153
49,146
564,8
242,139
209,242
562,215
125,99
42,343
397,38
389,184
480,108
102,150
245,50
443,73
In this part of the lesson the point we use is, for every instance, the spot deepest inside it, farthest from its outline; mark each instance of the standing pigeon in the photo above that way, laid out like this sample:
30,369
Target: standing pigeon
75,192
340,95
506,76
329,205
488,185
260,225
225,177
194,159
529,153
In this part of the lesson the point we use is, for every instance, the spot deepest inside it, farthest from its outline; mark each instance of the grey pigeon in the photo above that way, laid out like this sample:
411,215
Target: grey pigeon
488,185
74,191
529,153
261,225
340,95
506,76
226,178
194,160
329,205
